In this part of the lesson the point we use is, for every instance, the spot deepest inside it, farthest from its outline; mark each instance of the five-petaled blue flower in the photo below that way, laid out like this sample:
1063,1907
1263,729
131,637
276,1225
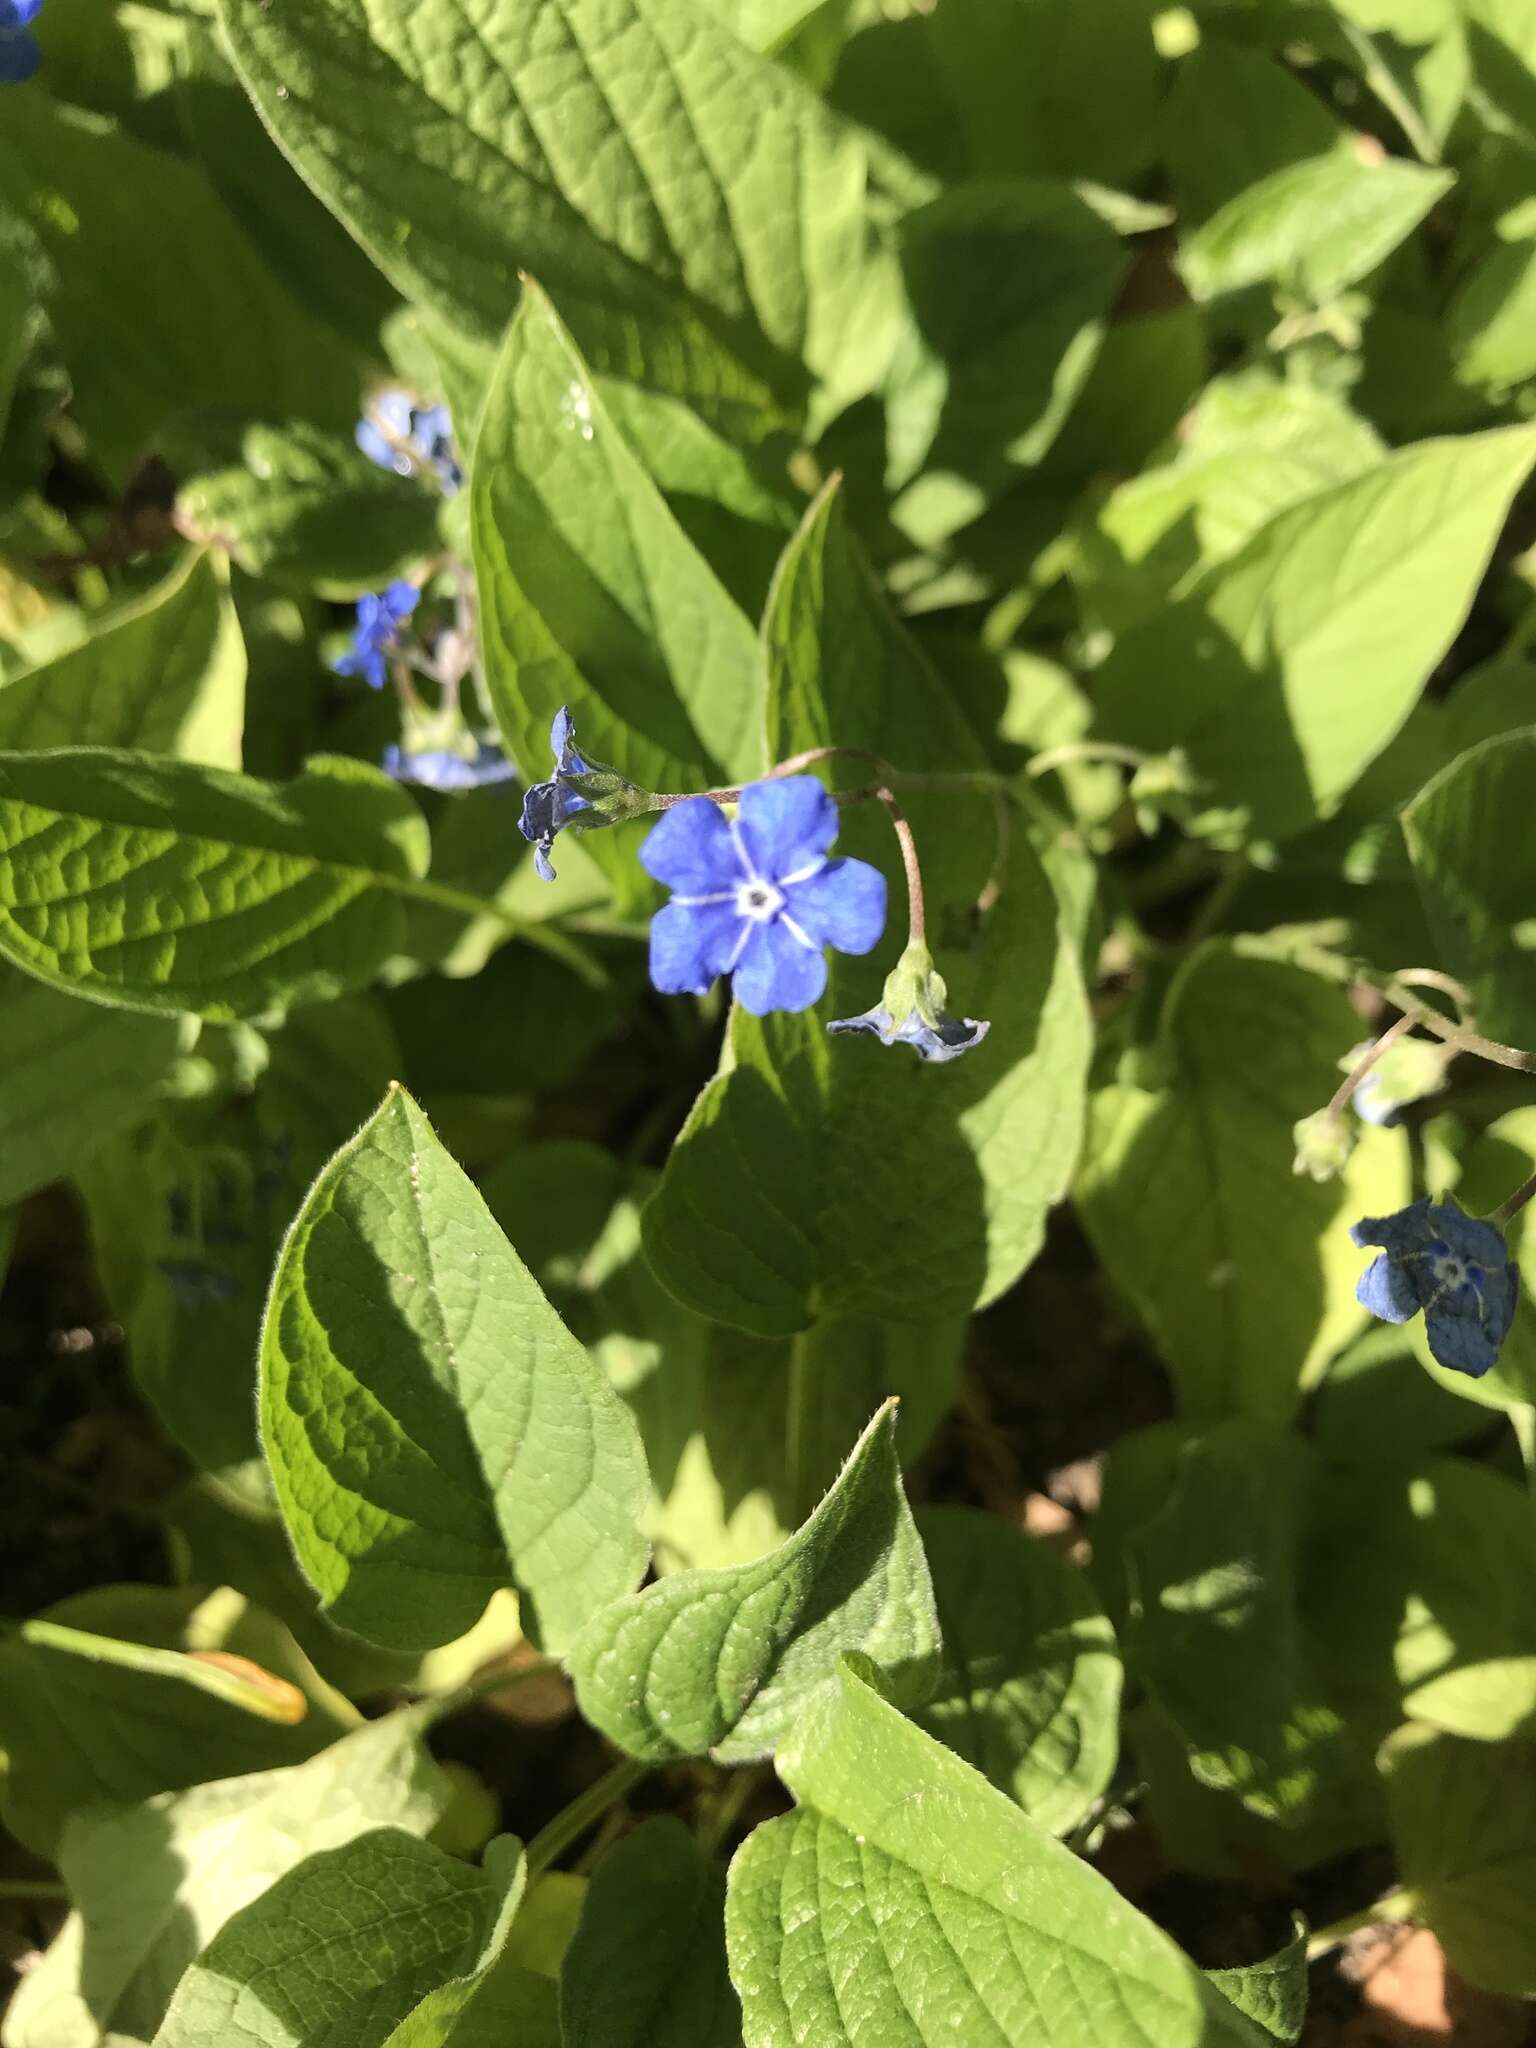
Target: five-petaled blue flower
757,897
1454,1267
549,806
441,768
398,434
379,617
19,54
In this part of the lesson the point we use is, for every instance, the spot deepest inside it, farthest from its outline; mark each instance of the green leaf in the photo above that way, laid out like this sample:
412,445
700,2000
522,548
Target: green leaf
647,1968
1464,1825
162,886
303,507
1314,227
1300,657
72,1076
1469,839
1272,1993
817,1179
152,1884
139,345
592,595
956,1917
165,672
1243,1271
1232,118
727,1661
1029,1687
499,1999
78,1729
430,1423
341,1947
1220,1640
1490,319
698,214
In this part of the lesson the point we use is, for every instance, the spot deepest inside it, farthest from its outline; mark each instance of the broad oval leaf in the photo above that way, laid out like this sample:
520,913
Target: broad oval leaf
157,885
727,1660
431,1425
165,673
647,1966
1474,859
1244,1272
957,1918
1300,656
1029,1687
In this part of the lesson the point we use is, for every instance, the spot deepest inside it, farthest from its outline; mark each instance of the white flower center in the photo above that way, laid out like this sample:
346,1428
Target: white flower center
758,900
1449,1271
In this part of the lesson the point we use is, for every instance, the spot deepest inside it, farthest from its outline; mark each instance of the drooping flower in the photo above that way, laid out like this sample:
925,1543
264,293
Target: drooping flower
1454,1267
580,794
379,618
1324,1144
19,53
911,1011
443,769
757,897
398,434
1406,1072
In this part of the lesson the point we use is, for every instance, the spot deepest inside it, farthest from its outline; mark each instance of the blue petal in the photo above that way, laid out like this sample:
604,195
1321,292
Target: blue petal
543,866
1468,1236
399,601
691,849
17,13
1406,1230
842,906
691,945
19,57
787,825
442,769
1459,1343
1501,1296
562,740
1387,1291
777,972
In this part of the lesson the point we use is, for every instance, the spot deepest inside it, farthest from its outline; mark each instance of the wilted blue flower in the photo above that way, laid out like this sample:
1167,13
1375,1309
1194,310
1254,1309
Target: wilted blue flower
911,1011
441,768
379,616
756,897
399,435
549,806
1454,1267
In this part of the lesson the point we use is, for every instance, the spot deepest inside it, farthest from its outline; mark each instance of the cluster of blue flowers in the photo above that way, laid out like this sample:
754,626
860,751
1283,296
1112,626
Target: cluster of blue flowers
380,615
19,54
411,439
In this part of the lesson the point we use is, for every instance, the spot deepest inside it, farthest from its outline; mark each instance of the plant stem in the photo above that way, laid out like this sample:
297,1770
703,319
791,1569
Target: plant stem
491,1684
1465,1041
726,1809
1368,1060
917,920
1399,1905
559,945
1513,1204
45,1889
583,1812
797,1426
1085,750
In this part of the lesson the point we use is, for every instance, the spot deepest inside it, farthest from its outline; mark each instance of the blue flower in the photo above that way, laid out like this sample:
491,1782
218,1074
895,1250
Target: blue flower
549,806
19,54
756,897
379,617
1454,1267
399,435
911,1011
441,768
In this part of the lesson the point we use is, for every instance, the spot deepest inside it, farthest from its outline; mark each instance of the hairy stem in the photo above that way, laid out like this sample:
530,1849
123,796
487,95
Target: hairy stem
552,1841
1399,1905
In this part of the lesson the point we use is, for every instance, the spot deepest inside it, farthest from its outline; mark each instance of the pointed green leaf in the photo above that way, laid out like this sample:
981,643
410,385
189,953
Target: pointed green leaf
1469,837
304,507
152,1884
165,673
592,595
728,1660
1300,656
342,1947
431,1425
956,1917
1244,1271
647,1967
157,885
499,1999
1464,1825
820,1178
1029,1687
1313,227
1273,1993
695,209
